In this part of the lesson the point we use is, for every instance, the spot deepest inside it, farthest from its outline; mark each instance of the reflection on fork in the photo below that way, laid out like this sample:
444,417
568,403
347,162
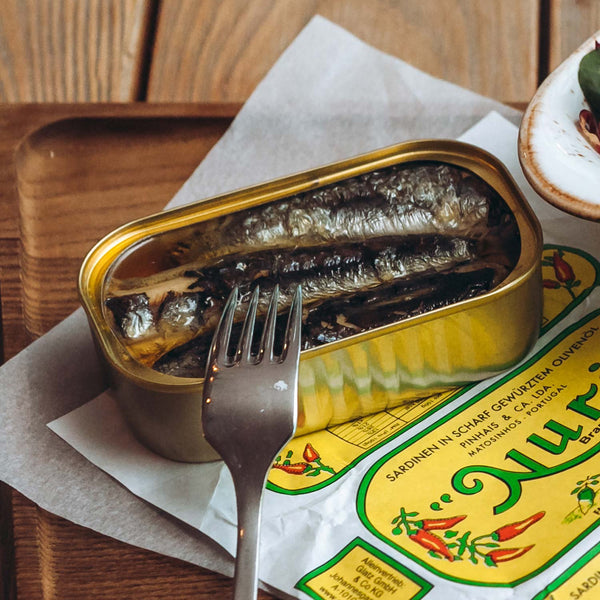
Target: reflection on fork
249,413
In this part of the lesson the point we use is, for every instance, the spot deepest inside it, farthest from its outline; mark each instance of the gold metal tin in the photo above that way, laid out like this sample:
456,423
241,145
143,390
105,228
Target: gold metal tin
343,380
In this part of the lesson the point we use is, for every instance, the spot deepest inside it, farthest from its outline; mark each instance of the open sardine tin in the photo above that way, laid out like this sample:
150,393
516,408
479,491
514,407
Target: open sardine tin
420,266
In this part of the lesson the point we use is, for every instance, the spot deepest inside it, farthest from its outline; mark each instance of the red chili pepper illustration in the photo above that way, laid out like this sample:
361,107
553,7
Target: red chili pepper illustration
506,554
429,524
514,529
551,284
432,542
310,454
562,269
294,469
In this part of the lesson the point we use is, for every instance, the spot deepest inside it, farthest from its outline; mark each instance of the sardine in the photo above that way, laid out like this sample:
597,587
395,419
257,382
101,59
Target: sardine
339,318
344,271
402,201
325,273
132,315
411,229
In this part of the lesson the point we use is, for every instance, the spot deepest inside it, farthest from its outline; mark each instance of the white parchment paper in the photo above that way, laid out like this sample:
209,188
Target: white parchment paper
299,532
330,96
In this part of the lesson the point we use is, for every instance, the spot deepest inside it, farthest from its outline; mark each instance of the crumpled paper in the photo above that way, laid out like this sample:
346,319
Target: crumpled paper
328,97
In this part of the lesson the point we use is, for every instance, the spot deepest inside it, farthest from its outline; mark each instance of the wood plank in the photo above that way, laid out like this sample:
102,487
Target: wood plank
7,580
65,561
218,50
571,23
72,51
27,556
15,336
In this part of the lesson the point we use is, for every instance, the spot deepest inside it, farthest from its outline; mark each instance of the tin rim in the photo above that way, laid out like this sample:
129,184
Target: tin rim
102,256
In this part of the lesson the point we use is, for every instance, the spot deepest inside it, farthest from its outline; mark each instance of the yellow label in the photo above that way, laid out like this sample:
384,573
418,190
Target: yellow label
361,572
507,483
580,582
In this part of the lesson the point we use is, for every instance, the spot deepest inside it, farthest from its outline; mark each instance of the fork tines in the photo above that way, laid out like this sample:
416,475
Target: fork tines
219,351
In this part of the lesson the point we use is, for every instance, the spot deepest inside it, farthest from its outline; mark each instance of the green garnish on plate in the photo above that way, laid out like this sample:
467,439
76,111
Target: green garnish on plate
589,81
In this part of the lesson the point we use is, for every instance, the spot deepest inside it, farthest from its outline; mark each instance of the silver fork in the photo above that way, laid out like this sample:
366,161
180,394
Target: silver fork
249,413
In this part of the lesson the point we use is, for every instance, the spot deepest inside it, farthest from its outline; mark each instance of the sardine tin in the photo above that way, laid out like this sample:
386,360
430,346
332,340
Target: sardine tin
349,378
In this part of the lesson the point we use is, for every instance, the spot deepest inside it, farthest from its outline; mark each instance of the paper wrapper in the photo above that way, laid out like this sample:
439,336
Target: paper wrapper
334,534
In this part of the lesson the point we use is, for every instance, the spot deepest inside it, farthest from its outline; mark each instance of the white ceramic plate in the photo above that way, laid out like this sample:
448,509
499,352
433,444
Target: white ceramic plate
557,160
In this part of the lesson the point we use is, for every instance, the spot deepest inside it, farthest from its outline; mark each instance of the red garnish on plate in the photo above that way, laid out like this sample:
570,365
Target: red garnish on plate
588,125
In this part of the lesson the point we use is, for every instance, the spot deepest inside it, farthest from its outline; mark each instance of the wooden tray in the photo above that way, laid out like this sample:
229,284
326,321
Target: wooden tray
78,179
66,157
77,173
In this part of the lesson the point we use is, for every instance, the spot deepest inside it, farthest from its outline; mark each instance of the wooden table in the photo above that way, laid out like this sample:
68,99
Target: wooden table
131,55
218,50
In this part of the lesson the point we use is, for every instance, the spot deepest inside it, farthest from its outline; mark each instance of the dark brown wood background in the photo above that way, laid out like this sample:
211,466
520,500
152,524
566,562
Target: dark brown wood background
163,61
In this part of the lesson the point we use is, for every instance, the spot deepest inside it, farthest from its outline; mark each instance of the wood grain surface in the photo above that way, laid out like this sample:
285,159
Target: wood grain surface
71,50
57,560
8,582
571,23
14,335
218,50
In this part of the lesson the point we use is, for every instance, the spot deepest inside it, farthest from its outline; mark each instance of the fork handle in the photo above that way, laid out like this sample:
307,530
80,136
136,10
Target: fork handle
249,496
